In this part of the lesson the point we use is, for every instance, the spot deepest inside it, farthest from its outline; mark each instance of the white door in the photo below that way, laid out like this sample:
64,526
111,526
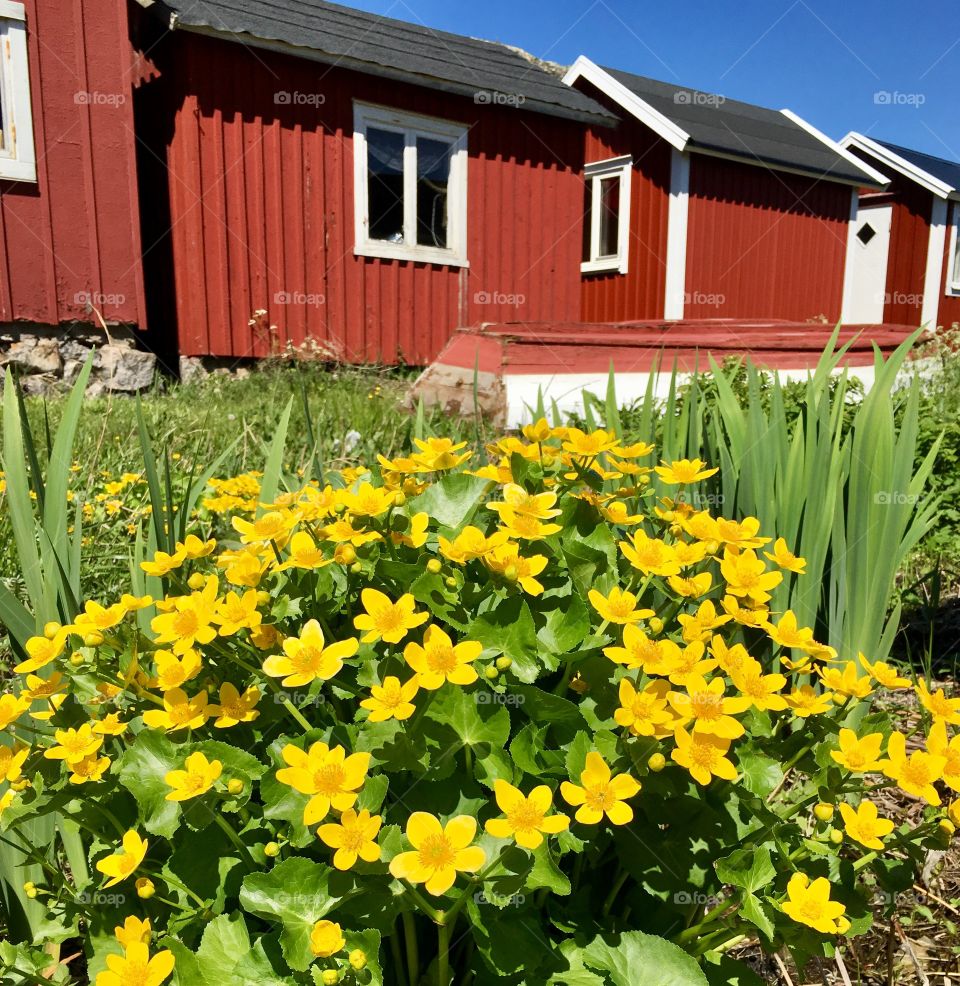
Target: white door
869,252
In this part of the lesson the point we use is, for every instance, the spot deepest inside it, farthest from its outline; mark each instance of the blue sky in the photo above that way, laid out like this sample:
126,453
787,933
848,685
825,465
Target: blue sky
889,68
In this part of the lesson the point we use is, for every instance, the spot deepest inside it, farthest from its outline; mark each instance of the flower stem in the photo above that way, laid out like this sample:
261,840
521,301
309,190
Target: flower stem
612,896
421,902
443,954
410,940
230,832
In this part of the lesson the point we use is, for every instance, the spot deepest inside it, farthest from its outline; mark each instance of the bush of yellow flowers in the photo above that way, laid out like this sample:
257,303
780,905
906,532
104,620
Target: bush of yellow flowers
462,719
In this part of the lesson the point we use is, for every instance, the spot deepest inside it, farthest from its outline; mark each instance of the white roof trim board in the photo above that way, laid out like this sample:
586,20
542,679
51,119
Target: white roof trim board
898,163
583,68
879,178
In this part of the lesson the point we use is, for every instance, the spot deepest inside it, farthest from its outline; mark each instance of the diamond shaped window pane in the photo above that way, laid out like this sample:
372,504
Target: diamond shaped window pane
866,233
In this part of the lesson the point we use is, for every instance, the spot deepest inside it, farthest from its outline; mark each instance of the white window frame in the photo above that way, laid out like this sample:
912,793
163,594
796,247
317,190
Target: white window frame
18,160
411,126
594,173
953,273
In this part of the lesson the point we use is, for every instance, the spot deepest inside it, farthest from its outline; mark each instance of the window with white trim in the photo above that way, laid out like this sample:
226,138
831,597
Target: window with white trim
410,187
607,225
18,160
953,259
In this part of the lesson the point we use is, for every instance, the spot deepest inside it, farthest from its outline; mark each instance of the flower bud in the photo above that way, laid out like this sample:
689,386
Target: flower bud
51,629
656,624
346,554
358,959
330,977
823,811
196,581
504,663
399,498
76,659
93,639
450,582
657,762
492,673
21,785
271,849
30,890
235,785
836,836
263,597
947,826
356,568
145,888
434,566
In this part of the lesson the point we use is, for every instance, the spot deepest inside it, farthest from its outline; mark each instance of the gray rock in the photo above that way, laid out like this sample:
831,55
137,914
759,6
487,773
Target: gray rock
123,369
75,350
192,368
34,356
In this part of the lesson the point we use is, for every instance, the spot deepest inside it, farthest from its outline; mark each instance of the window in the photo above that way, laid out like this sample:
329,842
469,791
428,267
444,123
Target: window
953,258
17,157
607,225
410,187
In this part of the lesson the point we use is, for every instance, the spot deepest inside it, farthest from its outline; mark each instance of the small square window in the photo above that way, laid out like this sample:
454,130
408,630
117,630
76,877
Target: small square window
17,155
411,187
607,219
866,233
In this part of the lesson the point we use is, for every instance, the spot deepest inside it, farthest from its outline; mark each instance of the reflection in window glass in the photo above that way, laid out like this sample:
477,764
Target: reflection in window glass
385,184
433,179
610,217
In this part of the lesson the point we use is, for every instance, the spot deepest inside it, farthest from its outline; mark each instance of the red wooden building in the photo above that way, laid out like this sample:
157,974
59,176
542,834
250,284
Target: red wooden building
706,207
904,250
69,229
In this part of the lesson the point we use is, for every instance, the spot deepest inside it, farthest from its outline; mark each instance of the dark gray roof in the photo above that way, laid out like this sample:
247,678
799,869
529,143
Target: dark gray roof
946,171
750,132
407,52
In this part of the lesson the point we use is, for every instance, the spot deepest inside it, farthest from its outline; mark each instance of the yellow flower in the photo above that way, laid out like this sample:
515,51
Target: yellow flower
415,536
174,671
917,773
355,835
650,555
273,526
6,799
782,557
526,817
638,651
439,852
684,471
787,633
236,612
847,683
306,658
693,587
644,713
762,690
883,674
133,931
438,454
73,745
863,825
440,660
343,532
243,568
110,725
180,711
704,755
739,534
326,939
806,701
12,759
163,563
938,705
682,664
601,793
506,560
122,864
235,708
747,576
809,903
711,712
524,526
540,506
97,617
329,776
745,615
470,543
937,744
391,700
582,445
193,547
136,968
619,606
197,777
304,553
41,652
189,621
859,755
367,501
90,768
386,620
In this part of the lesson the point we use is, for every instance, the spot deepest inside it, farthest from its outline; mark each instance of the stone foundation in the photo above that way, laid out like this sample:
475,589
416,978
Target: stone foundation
48,360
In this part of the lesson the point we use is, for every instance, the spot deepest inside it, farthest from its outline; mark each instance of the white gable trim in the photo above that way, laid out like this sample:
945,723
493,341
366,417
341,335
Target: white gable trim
664,127
934,274
848,299
897,163
675,292
879,178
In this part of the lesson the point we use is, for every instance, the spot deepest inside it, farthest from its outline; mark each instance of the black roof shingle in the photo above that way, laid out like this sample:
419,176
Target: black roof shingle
394,48
946,171
731,127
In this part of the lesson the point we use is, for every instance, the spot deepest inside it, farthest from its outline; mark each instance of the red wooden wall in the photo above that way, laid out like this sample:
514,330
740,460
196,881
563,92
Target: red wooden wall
261,207
909,241
640,293
764,244
74,234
